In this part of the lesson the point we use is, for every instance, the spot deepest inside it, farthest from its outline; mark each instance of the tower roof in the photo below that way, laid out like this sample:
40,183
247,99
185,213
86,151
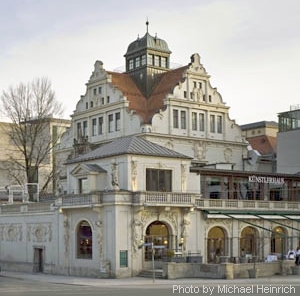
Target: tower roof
148,42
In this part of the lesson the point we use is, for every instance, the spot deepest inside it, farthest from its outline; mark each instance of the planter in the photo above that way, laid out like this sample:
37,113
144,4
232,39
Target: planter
295,270
253,273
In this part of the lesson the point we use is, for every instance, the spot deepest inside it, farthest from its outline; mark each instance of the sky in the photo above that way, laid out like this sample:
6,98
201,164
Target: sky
250,48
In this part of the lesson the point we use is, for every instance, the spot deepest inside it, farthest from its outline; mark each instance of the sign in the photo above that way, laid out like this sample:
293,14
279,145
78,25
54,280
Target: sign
266,180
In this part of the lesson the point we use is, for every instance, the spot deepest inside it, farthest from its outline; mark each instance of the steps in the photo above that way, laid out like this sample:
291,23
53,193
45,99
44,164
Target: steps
149,273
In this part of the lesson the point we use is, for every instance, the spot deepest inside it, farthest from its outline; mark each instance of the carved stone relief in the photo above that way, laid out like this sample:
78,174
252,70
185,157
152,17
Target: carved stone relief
39,232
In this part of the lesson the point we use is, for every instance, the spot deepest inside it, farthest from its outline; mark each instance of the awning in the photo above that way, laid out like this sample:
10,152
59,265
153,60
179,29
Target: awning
242,215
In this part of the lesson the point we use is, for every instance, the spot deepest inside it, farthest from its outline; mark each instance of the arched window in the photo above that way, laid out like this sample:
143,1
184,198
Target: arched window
278,240
248,242
216,244
158,234
84,241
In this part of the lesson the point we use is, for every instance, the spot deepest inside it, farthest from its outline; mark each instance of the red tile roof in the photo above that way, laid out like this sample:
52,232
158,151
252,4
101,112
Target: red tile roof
146,108
265,145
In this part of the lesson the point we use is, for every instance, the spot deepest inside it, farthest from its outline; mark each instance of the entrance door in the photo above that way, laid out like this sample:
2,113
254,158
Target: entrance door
38,260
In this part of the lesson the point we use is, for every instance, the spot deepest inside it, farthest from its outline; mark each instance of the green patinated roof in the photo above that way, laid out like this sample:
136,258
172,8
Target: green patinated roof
148,42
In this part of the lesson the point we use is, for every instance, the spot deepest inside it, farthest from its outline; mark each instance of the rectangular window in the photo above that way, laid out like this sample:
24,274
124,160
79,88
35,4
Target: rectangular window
137,62
100,125
94,127
184,94
102,101
219,124
124,258
130,64
99,90
183,119
194,121
92,104
150,59
85,128
163,62
110,123
83,185
95,91
79,131
118,121
143,60
201,122
156,60
212,124
107,99
158,180
175,118
209,98
86,105
200,85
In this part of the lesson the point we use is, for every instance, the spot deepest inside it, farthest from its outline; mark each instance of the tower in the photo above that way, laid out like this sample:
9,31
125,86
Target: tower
146,59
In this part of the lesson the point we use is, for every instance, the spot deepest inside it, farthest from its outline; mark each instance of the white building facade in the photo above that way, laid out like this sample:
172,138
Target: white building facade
152,156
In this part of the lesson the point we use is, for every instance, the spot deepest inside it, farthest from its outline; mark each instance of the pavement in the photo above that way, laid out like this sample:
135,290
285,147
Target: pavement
136,281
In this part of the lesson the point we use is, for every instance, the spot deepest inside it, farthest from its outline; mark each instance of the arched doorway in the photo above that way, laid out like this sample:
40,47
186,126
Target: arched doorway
158,234
249,241
278,240
84,240
216,244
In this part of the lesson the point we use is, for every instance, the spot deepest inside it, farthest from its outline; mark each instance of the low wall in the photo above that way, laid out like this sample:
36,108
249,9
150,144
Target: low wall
173,270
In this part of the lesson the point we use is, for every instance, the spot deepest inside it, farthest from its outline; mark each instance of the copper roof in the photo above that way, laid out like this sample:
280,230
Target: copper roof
147,107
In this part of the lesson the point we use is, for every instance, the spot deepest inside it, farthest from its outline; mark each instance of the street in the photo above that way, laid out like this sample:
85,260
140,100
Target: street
25,287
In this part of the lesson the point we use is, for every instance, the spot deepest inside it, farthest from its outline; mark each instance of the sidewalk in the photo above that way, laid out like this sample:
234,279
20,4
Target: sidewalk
139,281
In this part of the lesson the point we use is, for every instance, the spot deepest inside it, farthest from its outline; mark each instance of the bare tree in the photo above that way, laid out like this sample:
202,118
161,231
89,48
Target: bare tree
29,108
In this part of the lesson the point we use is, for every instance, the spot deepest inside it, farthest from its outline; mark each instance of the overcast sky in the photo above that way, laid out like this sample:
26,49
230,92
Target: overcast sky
251,48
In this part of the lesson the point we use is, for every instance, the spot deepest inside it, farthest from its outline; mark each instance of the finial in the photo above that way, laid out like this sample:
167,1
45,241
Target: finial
147,24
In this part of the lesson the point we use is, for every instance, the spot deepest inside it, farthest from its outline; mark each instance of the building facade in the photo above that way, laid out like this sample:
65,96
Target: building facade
152,159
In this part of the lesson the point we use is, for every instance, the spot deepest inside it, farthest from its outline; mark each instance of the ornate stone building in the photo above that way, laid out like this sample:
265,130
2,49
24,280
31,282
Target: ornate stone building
152,157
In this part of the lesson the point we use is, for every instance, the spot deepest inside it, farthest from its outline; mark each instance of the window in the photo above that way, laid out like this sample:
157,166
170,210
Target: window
92,104
156,60
200,85
83,185
175,118
94,127
183,119
95,91
194,121
219,124
184,94
130,64
144,60
110,123
118,121
124,258
137,62
163,62
102,101
85,128
150,59
99,90
209,98
79,131
100,125
201,122
107,99
86,105
212,124
84,241
158,180
195,84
